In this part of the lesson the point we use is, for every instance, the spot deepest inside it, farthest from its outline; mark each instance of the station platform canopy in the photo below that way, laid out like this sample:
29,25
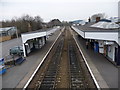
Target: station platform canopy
99,31
38,33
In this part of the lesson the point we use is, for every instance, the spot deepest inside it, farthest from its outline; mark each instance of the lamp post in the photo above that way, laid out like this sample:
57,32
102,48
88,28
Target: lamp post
17,35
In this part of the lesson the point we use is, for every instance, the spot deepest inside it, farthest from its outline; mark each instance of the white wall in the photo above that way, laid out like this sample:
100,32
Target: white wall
101,46
28,49
43,41
110,36
40,43
26,37
111,51
31,45
29,36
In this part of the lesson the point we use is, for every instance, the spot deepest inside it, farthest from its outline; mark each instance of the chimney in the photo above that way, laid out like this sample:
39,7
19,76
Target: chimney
97,19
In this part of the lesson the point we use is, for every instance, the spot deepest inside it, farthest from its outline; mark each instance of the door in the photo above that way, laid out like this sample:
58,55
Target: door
116,54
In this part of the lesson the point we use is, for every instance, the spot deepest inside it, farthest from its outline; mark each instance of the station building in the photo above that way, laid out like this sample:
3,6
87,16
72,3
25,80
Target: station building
6,33
36,39
103,40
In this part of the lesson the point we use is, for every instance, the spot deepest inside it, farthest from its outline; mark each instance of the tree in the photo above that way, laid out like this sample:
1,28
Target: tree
25,23
37,22
38,19
54,22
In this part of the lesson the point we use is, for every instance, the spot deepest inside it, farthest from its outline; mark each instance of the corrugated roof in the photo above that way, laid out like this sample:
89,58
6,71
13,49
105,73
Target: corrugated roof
106,25
7,28
87,28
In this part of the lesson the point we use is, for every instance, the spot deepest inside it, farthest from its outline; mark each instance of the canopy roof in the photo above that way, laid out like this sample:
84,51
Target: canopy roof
106,25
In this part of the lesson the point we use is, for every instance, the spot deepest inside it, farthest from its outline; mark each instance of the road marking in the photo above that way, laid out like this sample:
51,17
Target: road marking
41,62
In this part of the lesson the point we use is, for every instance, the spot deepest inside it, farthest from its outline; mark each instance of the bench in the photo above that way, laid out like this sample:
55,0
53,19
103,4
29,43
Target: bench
19,60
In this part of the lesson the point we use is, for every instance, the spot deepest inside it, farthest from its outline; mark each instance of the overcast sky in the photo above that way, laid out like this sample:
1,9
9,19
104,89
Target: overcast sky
61,9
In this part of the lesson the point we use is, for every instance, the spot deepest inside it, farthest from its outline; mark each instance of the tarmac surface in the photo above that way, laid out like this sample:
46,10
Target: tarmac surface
17,76
104,71
6,45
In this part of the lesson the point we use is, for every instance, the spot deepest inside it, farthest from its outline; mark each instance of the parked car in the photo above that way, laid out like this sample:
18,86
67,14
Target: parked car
17,50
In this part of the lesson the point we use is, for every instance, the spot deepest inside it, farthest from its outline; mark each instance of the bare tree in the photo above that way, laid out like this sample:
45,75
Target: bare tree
25,23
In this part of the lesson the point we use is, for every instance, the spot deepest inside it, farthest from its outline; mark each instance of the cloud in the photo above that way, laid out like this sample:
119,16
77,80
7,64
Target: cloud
63,10
51,1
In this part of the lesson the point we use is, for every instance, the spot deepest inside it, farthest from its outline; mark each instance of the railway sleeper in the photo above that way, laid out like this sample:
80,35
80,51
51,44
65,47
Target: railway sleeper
48,82
46,86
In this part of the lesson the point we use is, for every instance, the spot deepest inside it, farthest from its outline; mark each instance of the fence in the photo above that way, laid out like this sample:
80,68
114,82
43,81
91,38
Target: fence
5,38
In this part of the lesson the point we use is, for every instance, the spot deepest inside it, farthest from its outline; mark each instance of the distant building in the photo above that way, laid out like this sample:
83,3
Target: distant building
78,22
115,19
8,31
54,22
97,17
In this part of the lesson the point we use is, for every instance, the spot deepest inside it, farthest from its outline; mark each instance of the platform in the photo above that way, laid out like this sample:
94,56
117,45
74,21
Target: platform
104,71
18,76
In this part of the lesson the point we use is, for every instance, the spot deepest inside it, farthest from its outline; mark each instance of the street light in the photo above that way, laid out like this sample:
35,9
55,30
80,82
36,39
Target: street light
16,32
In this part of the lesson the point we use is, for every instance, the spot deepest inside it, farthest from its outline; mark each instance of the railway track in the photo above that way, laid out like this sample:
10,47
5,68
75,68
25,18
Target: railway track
49,78
64,67
76,74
